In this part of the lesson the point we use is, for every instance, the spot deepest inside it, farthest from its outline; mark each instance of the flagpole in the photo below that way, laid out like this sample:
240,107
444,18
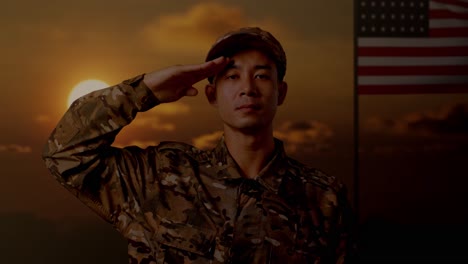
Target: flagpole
356,118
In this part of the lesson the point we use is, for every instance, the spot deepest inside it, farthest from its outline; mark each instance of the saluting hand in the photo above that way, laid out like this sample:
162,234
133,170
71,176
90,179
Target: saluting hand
172,83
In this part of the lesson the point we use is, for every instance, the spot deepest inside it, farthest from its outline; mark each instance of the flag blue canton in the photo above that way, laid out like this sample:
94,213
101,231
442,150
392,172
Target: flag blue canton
391,18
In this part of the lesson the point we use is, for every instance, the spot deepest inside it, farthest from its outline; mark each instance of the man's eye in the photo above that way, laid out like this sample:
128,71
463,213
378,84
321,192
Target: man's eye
262,76
232,76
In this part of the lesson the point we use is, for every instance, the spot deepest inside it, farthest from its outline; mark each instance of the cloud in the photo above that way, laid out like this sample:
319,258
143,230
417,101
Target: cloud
298,137
139,143
415,148
15,148
154,121
450,120
173,108
197,28
43,118
207,141
304,136
443,130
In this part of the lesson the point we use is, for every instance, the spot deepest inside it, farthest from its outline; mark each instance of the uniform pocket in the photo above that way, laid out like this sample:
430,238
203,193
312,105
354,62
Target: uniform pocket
186,237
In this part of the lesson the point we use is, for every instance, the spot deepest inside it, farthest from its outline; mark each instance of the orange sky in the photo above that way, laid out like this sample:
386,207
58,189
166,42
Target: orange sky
50,46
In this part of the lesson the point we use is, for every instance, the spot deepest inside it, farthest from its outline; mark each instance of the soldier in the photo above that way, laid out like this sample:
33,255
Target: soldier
245,201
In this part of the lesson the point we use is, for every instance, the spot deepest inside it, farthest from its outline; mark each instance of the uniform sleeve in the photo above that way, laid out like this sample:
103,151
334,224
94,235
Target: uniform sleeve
79,154
339,224
344,244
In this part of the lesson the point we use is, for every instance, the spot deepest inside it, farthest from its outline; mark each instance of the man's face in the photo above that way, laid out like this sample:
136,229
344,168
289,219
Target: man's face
247,92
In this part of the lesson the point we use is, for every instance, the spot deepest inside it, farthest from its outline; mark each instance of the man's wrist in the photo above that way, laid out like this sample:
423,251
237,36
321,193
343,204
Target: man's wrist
144,98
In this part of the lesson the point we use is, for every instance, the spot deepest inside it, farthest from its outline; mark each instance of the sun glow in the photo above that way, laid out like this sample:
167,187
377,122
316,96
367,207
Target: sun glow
83,88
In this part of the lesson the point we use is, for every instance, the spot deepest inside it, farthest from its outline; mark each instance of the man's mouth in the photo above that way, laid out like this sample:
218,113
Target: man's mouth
248,107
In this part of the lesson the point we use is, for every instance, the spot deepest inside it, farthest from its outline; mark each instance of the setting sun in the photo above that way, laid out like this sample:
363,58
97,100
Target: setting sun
83,88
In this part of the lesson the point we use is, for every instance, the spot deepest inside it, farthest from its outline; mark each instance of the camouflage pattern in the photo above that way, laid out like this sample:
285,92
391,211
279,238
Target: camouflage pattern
177,204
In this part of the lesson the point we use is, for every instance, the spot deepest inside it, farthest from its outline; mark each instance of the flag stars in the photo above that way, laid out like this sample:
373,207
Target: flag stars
392,18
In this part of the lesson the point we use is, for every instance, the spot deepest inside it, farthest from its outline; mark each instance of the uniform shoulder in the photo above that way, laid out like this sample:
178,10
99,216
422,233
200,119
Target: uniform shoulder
174,145
312,175
182,149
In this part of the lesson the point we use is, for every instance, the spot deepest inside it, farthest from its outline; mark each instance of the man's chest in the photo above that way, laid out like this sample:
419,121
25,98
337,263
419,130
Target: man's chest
205,214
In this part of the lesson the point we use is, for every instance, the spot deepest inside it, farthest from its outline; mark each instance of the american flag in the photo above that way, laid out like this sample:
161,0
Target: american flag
411,46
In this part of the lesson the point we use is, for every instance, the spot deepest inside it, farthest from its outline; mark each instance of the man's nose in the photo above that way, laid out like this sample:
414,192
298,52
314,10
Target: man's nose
249,87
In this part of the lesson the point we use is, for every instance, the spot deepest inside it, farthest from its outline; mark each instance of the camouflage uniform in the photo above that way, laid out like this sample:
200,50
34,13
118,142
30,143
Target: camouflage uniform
177,204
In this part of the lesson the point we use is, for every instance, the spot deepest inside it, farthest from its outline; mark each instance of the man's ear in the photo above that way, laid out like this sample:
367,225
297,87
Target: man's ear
282,91
210,92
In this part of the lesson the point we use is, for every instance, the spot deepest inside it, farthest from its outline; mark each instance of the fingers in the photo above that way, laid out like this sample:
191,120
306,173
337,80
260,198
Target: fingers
172,83
191,92
207,69
214,66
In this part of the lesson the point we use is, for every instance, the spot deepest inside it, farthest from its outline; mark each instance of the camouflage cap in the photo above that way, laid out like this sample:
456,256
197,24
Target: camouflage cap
249,38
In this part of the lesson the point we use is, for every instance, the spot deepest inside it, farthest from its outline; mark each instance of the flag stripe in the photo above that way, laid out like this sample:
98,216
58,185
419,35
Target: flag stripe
446,14
413,51
414,79
452,2
415,70
450,23
412,42
412,89
409,61
434,5
448,32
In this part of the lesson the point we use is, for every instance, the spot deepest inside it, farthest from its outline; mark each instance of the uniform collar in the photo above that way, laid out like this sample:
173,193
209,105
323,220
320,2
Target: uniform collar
270,176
